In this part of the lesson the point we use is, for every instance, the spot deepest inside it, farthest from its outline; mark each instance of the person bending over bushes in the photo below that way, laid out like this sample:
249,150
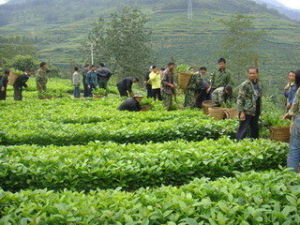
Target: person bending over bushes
132,104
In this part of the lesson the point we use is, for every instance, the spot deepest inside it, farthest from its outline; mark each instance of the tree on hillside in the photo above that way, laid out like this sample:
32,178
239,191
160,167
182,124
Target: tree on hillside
24,63
240,43
13,46
97,39
124,41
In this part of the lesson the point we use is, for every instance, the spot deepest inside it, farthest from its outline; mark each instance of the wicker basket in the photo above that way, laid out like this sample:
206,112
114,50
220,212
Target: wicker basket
184,79
217,113
231,113
99,96
12,78
280,134
146,107
206,105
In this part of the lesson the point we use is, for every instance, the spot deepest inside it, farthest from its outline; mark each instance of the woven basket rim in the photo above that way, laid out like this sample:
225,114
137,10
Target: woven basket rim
279,128
217,108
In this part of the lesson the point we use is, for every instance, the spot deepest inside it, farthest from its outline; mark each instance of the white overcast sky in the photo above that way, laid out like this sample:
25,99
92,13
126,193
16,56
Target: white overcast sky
290,3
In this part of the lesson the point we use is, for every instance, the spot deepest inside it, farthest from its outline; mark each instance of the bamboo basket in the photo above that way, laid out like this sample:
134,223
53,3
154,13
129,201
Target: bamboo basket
231,113
12,78
146,107
206,105
184,79
281,134
217,113
99,96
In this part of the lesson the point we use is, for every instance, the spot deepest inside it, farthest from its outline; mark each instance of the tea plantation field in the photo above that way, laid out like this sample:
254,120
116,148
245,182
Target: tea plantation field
80,161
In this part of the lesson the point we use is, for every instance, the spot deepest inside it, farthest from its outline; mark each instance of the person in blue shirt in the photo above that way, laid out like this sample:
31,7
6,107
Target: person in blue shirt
84,74
291,89
294,114
91,80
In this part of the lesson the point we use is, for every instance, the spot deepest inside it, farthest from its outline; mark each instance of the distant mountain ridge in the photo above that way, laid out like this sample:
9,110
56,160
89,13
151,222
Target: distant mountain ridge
273,4
58,27
293,14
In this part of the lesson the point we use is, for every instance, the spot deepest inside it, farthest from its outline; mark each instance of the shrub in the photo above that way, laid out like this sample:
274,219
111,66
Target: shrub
253,198
109,165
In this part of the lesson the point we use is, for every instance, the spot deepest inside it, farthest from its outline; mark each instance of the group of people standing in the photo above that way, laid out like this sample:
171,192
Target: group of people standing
18,85
93,77
160,85
218,87
20,82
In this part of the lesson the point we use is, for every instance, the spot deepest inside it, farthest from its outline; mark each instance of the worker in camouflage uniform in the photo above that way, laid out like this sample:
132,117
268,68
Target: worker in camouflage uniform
222,96
42,79
196,87
249,105
168,86
220,78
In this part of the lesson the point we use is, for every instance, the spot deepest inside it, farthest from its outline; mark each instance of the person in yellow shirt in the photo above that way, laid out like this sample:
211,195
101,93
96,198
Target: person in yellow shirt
155,81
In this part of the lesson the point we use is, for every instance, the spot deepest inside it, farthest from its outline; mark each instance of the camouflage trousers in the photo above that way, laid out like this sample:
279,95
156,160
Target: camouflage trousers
41,87
168,101
190,99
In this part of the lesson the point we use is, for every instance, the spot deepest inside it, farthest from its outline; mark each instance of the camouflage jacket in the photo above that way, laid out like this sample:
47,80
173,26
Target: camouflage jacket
167,77
295,110
197,84
248,98
41,76
220,78
219,98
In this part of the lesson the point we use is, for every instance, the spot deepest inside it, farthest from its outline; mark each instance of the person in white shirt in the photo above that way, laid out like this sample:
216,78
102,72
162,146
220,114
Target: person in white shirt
76,82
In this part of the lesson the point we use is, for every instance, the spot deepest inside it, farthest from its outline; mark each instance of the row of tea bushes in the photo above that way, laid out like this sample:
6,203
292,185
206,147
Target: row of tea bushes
109,165
123,131
254,198
85,111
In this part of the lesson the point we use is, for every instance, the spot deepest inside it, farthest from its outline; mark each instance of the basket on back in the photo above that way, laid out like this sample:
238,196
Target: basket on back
184,79
280,134
217,113
206,105
12,78
231,113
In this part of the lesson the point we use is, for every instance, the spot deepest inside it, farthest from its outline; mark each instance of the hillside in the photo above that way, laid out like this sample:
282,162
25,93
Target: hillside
60,26
293,14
